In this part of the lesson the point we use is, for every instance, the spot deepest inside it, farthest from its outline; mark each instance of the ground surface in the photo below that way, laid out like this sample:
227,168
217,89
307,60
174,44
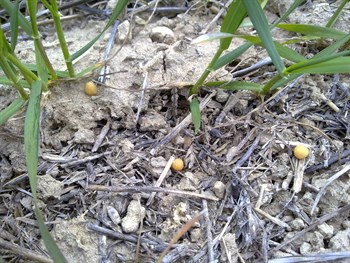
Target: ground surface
241,164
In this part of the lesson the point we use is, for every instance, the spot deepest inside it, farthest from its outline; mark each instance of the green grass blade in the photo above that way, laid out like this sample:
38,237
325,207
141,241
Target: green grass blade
59,30
89,69
10,110
333,66
282,50
335,16
236,85
116,12
31,133
210,37
39,48
14,25
234,17
314,61
50,244
4,46
42,69
232,55
196,114
6,81
311,30
22,21
31,145
12,74
260,23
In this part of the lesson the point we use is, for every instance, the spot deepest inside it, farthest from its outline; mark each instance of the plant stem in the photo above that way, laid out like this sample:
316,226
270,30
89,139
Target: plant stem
266,89
13,77
28,75
57,21
31,4
206,72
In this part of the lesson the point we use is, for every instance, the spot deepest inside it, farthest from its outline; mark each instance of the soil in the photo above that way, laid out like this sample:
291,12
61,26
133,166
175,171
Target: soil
241,164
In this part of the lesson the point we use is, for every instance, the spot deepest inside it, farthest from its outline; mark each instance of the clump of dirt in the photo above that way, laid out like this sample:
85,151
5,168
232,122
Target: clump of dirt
100,156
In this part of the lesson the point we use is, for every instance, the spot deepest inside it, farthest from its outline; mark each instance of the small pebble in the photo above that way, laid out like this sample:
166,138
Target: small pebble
219,189
124,31
134,215
221,96
326,230
162,34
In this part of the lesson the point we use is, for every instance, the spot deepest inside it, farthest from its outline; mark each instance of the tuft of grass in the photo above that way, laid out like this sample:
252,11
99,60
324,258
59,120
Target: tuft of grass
333,59
31,80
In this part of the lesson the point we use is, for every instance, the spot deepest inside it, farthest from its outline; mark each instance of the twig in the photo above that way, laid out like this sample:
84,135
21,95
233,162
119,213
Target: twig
329,181
320,257
130,238
316,223
334,158
149,189
259,64
271,218
232,152
102,248
183,124
23,252
102,135
179,234
84,160
298,175
247,154
161,178
102,75
209,234
216,240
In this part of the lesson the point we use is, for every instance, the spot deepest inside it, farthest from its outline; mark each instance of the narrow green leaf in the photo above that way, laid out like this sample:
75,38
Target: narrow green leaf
10,110
50,243
89,69
42,69
22,21
4,46
260,23
282,50
335,16
31,133
116,12
196,114
333,66
210,37
232,55
31,145
6,81
236,85
14,25
311,30
233,18
315,60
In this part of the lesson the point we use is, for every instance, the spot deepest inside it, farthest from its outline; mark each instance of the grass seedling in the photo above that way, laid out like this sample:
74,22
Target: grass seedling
34,79
333,59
